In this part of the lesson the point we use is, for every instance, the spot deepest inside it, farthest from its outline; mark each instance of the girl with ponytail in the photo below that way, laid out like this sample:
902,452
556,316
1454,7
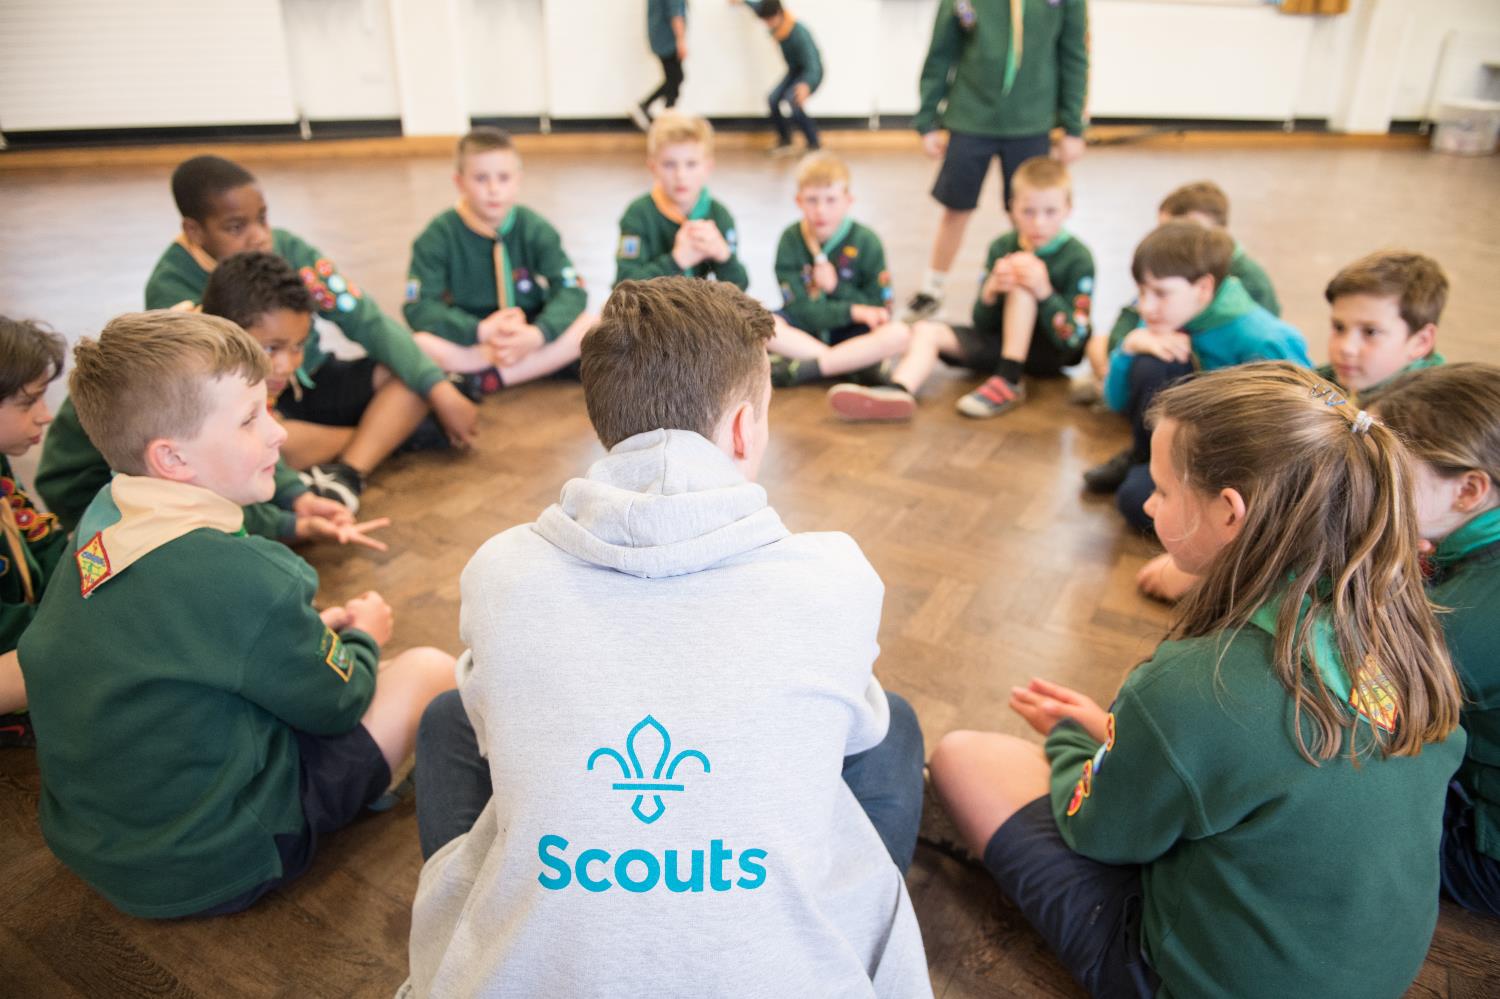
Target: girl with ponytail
1258,812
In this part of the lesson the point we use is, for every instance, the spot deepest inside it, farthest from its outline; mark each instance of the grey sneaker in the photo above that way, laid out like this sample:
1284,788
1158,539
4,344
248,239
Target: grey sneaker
994,397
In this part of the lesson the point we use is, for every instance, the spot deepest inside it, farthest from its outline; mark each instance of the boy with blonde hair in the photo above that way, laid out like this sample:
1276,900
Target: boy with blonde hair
1032,313
489,277
678,229
200,725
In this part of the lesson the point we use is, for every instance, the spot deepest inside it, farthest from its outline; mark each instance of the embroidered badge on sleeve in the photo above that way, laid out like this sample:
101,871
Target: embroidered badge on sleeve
630,247
93,565
336,654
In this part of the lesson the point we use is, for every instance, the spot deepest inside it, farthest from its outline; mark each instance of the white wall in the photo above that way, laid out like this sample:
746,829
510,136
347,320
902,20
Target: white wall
343,59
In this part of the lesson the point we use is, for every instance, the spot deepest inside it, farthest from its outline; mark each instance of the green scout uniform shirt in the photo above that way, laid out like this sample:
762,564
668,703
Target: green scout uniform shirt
72,471
967,60
858,258
1064,315
1241,266
42,541
451,284
165,704
1467,582
798,49
659,14
178,277
1261,873
1369,395
646,237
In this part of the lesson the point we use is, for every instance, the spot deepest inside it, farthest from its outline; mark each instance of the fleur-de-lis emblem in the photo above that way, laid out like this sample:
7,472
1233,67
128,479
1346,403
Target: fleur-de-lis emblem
644,740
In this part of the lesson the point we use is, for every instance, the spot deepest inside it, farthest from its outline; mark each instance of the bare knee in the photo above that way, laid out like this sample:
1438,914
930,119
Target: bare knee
430,670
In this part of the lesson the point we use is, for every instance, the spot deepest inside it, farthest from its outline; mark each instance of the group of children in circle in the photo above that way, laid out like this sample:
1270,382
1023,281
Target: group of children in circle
1283,496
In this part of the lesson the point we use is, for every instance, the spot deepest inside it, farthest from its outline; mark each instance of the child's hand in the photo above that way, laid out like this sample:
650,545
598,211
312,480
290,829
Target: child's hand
335,618
800,93
511,345
459,416
935,144
872,316
1044,704
1068,149
324,529
685,250
1168,345
825,276
489,326
711,242
311,505
371,614
1001,281
1031,274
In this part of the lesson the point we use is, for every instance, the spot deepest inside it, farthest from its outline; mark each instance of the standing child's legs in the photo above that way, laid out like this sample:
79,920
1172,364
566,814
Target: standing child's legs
887,781
782,92
452,776
806,124
950,236
404,687
1014,152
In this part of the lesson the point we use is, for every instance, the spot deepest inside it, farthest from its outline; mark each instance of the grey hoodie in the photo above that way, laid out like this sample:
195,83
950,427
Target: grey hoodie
665,682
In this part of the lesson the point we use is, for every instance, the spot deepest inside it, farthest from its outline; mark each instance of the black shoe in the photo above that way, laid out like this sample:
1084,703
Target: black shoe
921,306
1110,476
874,376
786,373
472,386
16,731
429,436
336,481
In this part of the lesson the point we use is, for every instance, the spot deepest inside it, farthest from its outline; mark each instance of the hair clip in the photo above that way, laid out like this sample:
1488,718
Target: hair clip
1363,421
1327,393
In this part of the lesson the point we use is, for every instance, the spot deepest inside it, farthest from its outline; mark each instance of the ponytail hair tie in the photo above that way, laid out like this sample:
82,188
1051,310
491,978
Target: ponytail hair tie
1362,422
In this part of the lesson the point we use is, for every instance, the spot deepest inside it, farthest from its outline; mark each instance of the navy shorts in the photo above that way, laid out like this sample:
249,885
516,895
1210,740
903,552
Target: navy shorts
968,160
341,392
980,351
338,776
1470,878
1089,913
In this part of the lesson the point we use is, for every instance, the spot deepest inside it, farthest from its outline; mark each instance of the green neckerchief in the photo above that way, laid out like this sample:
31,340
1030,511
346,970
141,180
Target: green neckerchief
701,207
1230,302
1330,663
1013,50
506,226
839,235
1480,532
1432,360
1239,251
1053,245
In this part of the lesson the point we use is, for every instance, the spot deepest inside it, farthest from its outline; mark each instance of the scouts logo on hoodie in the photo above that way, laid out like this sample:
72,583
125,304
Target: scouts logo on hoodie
648,738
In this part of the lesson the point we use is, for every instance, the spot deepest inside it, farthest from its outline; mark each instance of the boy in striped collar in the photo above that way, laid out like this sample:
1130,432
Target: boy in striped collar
678,229
490,280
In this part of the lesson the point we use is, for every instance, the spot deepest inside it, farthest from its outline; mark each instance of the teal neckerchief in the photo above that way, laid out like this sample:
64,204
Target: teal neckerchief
839,235
701,207
1432,360
506,225
1239,251
1230,302
1330,663
1480,532
1053,245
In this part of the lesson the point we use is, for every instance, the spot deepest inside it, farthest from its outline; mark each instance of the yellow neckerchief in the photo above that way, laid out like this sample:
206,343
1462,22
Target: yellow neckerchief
502,262
788,22
152,512
819,250
17,546
672,213
199,254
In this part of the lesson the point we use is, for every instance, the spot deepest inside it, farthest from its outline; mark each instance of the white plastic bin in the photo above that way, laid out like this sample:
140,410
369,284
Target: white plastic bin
1467,127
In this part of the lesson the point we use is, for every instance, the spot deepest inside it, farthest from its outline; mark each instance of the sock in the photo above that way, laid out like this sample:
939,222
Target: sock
932,282
1010,370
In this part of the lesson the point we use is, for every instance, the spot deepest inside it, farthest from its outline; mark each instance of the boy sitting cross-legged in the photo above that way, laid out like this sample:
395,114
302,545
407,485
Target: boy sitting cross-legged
634,763
352,414
200,726
490,279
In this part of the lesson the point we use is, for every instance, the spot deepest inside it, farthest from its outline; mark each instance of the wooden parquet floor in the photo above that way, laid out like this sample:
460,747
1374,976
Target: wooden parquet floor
996,566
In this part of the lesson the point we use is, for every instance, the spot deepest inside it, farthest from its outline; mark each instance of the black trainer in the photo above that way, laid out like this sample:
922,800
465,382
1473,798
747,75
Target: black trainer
1109,476
922,305
16,731
336,481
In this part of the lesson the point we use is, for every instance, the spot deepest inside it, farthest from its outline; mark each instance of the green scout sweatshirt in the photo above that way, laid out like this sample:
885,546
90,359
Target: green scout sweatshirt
1001,86
72,471
1467,582
1241,266
451,285
178,277
1369,395
165,701
857,256
1262,874
646,237
41,541
797,48
1064,315
659,33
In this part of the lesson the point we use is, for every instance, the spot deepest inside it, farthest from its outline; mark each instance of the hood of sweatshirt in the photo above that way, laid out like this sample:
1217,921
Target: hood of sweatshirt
663,503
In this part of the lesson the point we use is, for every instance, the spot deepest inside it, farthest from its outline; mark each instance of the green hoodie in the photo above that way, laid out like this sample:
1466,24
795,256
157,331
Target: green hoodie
1261,873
